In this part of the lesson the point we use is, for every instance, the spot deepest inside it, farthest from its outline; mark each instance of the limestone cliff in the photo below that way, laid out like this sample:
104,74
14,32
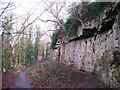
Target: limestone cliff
98,52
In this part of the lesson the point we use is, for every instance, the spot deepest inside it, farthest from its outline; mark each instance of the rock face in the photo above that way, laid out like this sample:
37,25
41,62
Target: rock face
99,54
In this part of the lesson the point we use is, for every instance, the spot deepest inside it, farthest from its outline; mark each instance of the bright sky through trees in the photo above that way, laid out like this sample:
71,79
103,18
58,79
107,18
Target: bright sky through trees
36,7
23,7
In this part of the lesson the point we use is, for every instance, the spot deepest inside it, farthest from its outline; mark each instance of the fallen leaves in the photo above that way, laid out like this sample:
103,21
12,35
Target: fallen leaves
8,80
56,75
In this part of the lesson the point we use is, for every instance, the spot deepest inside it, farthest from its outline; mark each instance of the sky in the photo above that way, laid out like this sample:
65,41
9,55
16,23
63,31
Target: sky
37,6
22,7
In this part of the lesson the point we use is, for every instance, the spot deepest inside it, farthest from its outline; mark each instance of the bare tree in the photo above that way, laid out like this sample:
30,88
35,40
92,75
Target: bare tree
56,11
24,26
6,6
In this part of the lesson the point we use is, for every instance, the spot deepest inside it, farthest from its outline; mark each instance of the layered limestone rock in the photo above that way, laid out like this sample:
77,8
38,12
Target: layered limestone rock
99,54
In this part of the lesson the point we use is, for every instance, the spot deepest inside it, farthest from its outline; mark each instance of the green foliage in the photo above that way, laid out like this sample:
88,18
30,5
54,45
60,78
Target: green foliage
116,77
26,51
36,47
7,23
71,26
6,54
116,59
92,10
29,51
21,51
43,55
46,52
88,12
72,23
54,39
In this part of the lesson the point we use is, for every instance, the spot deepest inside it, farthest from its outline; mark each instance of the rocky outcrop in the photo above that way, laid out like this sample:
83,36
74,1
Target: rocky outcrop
95,54
98,53
96,49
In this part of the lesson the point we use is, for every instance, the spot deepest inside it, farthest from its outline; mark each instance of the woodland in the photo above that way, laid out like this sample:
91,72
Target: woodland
25,61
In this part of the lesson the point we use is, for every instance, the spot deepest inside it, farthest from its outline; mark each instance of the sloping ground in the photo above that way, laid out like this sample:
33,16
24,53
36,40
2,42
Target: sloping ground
52,74
16,79
8,80
49,74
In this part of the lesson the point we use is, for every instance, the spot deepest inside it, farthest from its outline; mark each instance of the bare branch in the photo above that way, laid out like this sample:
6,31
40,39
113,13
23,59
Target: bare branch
23,28
56,13
5,8
49,21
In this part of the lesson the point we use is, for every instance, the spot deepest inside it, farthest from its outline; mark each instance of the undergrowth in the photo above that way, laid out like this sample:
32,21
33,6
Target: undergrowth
54,74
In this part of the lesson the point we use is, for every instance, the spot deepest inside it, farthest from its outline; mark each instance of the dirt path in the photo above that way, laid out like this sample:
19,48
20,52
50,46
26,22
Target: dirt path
21,79
89,80
57,75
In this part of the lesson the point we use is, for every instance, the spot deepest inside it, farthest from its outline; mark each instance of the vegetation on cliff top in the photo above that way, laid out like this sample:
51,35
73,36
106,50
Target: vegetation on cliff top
80,14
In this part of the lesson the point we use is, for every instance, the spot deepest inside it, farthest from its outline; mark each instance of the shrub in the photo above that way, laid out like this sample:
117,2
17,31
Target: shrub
54,39
86,13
